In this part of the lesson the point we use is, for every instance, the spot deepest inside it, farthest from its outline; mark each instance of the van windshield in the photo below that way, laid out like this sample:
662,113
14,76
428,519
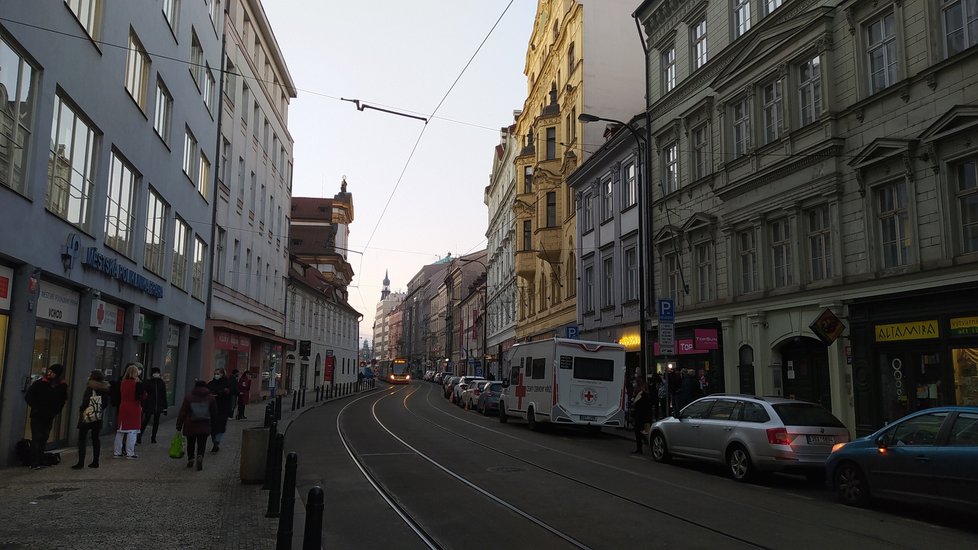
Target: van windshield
592,368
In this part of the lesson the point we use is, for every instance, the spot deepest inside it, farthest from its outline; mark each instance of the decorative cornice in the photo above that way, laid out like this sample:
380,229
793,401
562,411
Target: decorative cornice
829,149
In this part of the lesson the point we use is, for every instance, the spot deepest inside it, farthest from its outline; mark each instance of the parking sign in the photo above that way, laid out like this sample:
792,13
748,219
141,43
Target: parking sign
666,310
573,332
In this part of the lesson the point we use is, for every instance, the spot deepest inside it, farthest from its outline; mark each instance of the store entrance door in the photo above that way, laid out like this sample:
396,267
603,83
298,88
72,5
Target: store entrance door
53,344
805,371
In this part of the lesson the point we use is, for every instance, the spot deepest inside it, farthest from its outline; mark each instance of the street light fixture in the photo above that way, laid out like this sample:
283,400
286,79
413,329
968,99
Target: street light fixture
643,182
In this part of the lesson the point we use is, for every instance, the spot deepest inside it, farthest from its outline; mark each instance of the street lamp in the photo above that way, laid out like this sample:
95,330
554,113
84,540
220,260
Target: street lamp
643,182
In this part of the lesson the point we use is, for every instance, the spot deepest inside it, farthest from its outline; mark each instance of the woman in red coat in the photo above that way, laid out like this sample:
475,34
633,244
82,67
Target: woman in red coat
130,419
244,394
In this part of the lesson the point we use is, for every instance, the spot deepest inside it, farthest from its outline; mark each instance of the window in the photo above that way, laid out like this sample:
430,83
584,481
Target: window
629,192
741,17
966,174
704,272
551,143
894,224
527,179
230,81
261,207
964,431
137,71
120,215
527,235
164,112
204,177
960,25
170,10
608,285
16,116
587,211
571,60
700,152
781,253
606,203
917,431
215,11
551,209
588,288
771,5
209,89
820,244
225,158
87,12
630,280
809,91
674,278
698,38
244,106
197,61
71,166
881,53
747,247
741,127
241,178
197,278
669,69
181,246
771,96
154,249
670,168
189,154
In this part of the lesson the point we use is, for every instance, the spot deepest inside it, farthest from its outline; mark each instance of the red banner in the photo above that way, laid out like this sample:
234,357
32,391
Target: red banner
328,371
706,338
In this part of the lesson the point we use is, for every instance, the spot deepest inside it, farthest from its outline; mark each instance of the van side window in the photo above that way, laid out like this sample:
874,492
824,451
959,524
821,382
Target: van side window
539,366
515,376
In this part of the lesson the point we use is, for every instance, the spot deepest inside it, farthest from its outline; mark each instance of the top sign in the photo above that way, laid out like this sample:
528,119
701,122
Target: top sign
667,311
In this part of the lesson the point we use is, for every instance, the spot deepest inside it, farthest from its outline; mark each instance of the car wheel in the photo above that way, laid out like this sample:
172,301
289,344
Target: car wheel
660,452
531,420
851,485
502,413
738,460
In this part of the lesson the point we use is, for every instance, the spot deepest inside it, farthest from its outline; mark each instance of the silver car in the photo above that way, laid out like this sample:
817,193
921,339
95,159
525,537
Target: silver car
751,434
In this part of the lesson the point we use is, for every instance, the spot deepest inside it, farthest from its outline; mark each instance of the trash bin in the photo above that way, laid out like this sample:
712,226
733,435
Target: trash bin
254,449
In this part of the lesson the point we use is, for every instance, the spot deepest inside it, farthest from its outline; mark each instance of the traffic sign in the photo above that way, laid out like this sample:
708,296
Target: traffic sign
667,338
573,332
667,311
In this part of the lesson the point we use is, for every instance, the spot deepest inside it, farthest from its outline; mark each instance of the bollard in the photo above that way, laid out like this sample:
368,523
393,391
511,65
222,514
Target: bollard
294,393
302,400
269,414
275,494
284,539
270,456
278,407
312,535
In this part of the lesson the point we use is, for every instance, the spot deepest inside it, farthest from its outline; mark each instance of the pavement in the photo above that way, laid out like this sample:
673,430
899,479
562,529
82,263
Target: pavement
152,501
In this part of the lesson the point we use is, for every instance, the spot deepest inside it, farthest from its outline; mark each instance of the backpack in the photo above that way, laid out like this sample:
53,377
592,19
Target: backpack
23,450
200,410
93,412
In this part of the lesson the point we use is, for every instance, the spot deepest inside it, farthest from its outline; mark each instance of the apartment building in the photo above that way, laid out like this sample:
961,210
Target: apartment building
501,242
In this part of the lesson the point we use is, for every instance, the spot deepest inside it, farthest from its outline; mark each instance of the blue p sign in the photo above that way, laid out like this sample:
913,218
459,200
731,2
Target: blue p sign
573,332
666,310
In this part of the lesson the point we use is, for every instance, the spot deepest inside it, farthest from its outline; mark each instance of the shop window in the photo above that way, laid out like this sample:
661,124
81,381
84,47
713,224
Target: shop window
965,361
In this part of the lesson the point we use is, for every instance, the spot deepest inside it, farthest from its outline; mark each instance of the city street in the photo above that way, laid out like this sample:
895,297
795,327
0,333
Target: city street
461,480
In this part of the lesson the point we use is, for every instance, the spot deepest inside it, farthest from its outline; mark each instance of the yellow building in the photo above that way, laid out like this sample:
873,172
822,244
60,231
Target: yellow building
567,36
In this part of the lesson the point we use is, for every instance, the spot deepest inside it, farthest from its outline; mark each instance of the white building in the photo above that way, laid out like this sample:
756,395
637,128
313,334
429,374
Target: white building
500,235
382,344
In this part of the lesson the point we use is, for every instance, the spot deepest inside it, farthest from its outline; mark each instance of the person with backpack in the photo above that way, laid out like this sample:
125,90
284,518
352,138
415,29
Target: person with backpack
155,404
131,395
90,413
197,412
46,397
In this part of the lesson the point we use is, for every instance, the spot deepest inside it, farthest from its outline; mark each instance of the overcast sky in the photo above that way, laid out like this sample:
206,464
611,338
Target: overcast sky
401,56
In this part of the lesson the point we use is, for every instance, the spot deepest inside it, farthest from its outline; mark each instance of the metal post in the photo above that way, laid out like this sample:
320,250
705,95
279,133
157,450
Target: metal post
284,538
275,494
302,401
293,399
278,407
269,456
312,534
269,414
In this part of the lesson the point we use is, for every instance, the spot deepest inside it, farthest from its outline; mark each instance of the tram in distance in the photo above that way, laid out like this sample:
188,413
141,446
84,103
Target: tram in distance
394,372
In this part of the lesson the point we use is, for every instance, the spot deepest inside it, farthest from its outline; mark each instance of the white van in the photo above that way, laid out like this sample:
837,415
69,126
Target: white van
565,382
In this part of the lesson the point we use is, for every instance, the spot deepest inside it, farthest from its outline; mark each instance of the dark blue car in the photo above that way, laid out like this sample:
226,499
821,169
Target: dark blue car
928,457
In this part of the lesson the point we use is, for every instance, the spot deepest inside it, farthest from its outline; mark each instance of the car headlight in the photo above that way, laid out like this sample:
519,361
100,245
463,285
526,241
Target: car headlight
838,447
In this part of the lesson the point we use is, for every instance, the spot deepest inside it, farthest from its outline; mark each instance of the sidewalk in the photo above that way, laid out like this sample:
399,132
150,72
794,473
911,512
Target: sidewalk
149,502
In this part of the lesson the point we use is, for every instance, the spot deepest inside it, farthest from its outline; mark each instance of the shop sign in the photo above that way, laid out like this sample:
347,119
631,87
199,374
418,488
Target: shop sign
685,346
827,327
143,328
55,303
94,259
706,338
107,317
964,326
631,342
173,337
328,373
917,330
6,284
232,342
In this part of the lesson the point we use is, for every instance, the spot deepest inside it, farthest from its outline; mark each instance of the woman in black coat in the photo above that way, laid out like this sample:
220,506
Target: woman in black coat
155,403
641,413
222,393
91,411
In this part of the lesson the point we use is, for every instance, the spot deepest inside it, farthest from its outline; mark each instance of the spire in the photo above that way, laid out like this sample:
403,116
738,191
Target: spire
387,283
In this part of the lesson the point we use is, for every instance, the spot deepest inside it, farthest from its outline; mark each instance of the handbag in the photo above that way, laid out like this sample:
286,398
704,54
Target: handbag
93,412
176,446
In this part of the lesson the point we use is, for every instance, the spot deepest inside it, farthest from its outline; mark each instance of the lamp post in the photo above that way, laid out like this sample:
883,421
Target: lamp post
485,309
643,183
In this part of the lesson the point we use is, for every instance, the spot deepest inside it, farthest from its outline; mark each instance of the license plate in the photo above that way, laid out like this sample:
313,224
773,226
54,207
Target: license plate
586,418
821,440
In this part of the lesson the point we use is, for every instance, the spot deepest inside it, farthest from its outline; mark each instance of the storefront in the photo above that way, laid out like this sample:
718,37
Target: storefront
144,330
232,352
912,354
55,339
6,287
171,362
108,320
698,348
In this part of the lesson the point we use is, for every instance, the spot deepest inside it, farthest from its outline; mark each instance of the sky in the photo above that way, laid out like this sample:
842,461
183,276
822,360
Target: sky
412,205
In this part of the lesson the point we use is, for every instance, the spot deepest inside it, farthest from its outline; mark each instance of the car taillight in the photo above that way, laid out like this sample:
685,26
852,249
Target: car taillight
778,436
475,393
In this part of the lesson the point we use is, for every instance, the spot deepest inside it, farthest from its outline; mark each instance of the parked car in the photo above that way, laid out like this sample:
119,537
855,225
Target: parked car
929,457
750,433
470,395
489,397
449,385
463,383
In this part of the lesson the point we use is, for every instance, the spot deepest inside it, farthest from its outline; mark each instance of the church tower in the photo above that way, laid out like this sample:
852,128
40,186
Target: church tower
387,287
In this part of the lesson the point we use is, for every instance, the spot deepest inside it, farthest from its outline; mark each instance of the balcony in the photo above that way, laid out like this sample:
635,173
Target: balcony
548,243
526,264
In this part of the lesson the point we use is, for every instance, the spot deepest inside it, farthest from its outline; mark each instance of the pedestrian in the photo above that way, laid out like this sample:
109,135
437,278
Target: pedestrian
641,414
156,404
221,391
688,388
197,412
46,397
674,381
244,394
91,411
661,397
235,376
132,392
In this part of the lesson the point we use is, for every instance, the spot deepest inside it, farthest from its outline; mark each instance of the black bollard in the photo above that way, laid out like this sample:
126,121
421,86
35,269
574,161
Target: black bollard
275,494
284,539
312,535
270,456
278,407
294,393
269,414
302,401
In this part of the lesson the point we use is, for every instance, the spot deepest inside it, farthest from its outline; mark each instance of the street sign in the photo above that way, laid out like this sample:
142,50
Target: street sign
667,338
573,332
666,310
